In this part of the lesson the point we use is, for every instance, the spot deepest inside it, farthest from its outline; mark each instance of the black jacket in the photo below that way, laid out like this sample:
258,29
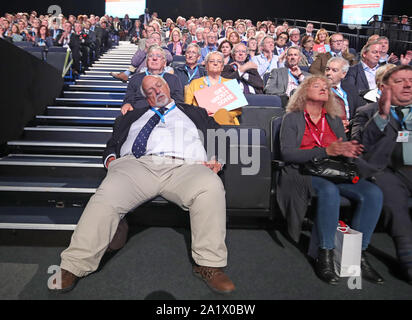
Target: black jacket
123,123
183,75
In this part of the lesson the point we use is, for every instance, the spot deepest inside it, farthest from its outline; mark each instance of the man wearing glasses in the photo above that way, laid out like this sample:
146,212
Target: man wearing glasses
245,72
336,46
191,69
156,63
211,46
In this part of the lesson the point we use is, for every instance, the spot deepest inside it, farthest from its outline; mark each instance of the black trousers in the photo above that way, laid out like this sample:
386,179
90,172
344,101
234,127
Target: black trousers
396,193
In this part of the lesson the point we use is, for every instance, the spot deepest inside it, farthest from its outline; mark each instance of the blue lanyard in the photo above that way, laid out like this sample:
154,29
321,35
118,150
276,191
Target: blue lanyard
270,62
402,123
148,73
208,81
293,77
162,116
193,74
345,100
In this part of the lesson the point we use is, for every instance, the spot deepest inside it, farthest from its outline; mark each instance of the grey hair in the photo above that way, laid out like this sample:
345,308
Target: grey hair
344,63
158,48
214,52
237,45
292,47
150,75
194,45
293,30
263,40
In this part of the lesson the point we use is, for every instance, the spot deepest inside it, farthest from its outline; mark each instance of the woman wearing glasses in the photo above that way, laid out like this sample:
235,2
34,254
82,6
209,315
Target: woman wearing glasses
214,63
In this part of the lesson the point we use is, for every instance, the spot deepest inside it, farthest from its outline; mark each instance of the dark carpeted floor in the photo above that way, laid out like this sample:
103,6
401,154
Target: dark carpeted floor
156,264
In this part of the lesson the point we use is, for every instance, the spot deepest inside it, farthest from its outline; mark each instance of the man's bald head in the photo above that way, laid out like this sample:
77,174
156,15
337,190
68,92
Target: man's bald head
156,90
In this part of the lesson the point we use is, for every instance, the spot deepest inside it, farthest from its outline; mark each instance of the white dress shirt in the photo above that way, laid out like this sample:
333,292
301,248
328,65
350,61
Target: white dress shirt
177,136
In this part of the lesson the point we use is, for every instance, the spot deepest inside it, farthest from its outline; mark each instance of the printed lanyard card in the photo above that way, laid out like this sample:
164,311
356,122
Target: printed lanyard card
403,136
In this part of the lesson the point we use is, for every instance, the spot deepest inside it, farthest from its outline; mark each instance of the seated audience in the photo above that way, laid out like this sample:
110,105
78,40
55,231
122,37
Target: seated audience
294,37
362,75
43,38
156,63
191,69
311,129
176,46
283,81
307,50
336,46
346,95
209,47
281,43
138,61
15,33
385,57
377,126
225,47
244,71
371,97
214,66
266,60
252,46
233,38
321,41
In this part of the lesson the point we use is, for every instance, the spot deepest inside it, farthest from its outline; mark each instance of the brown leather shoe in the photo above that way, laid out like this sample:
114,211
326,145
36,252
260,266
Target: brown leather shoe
215,278
68,282
120,76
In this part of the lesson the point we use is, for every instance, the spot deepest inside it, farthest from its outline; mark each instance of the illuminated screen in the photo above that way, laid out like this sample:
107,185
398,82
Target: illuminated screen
118,8
360,11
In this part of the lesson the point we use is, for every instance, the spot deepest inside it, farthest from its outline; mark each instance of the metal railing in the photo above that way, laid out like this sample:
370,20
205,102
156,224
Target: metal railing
399,40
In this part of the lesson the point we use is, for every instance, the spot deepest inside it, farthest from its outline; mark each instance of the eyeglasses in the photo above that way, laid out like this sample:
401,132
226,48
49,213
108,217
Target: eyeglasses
240,51
152,55
338,41
282,38
215,61
191,53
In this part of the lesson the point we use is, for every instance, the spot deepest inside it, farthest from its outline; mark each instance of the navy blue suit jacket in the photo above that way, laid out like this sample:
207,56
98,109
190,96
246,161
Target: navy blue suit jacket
356,76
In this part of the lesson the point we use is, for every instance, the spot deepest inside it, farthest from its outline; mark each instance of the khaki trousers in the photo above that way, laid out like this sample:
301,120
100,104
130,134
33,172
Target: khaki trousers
131,182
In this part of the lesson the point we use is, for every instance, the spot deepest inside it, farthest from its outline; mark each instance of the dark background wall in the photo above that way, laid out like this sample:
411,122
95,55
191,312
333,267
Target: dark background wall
324,10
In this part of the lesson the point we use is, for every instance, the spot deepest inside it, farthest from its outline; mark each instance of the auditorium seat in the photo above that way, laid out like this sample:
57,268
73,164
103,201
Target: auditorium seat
23,44
38,52
263,100
56,56
260,116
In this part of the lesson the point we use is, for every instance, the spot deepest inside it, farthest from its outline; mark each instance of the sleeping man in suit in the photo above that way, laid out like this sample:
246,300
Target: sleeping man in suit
346,94
382,127
146,158
283,81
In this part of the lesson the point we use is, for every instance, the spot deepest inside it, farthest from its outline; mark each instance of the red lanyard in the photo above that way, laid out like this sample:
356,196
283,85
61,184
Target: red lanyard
318,140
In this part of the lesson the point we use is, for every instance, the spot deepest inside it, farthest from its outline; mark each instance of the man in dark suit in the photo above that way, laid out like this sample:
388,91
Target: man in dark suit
69,39
381,128
346,94
244,72
362,75
145,18
336,45
156,62
145,158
